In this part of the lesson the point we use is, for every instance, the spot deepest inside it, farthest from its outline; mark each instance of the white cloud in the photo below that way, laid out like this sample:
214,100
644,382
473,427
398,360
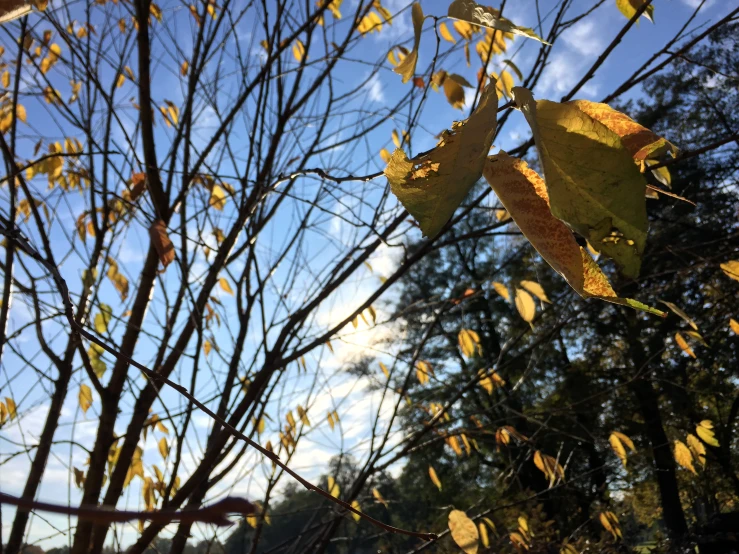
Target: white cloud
584,38
375,89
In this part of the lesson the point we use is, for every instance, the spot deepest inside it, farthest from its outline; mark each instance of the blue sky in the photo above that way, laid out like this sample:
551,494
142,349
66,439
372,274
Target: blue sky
577,50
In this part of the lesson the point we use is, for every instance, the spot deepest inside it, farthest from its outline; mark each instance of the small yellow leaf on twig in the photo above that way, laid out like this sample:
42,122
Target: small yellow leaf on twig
464,531
85,398
434,477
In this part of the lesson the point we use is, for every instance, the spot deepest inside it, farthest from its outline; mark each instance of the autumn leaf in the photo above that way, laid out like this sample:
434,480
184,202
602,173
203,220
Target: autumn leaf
13,9
705,431
432,186
731,269
11,408
163,446
629,7
525,305
734,324
619,442
502,290
407,67
464,531
610,523
472,12
523,192
299,50
85,398
535,289
379,497
483,530
445,34
697,448
678,312
549,466
469,343
223,282
683,456
453,90
162,244
356,506
592,182
683,344
434,477
333,487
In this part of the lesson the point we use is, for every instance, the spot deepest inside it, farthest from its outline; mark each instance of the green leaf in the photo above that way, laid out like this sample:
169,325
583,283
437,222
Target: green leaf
432,186
593,183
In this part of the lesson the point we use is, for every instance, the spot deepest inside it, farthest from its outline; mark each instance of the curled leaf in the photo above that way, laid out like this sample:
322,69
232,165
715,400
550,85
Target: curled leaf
434,477
472,12
407,67
431,187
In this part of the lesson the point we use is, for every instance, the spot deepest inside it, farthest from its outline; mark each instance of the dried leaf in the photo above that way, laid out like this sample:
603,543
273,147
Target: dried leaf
472,12
731,269
432,186
407,67
162,244
523,192
683,344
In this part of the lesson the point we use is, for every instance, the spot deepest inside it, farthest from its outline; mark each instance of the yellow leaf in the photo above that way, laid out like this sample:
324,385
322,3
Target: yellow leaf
445,34
407,67
549,466
705,432
483,530
299,50
396,138
535,289
683,456
464,29
385,155
502,290
453,90
11,408
156,11
218,197
379,497
333,487
163,447
470,11
464,531
629,7
525,305
469,343
618,442
683,344
697,448
524,194
356,506
102,318
434,477
121,79
184,68
85,398
423,371
609,521
330,419
734,324
731,269
223,282
6,79
599,194
432,186
207,347
384,370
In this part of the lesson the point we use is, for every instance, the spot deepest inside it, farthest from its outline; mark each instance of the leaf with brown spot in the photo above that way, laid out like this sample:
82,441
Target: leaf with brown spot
160,239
